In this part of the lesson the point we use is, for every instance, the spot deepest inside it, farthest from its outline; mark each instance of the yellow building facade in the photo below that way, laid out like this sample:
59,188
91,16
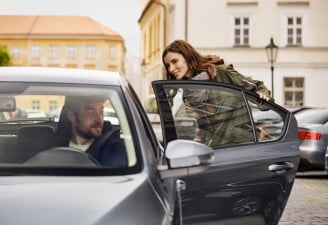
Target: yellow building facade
60,41
153,40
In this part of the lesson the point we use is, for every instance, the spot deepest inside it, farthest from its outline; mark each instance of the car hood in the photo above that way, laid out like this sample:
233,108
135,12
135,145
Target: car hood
71,200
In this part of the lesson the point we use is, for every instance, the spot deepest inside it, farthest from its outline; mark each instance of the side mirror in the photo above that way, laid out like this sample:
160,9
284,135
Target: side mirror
7,104
186,157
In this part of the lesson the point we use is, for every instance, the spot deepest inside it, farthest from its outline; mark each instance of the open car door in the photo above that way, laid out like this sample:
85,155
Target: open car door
255,146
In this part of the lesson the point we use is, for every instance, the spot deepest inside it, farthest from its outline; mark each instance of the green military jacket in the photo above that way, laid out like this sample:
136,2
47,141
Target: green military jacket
227,74
219,126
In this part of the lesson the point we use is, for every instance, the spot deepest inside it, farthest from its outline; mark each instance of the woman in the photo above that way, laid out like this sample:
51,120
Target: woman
182,61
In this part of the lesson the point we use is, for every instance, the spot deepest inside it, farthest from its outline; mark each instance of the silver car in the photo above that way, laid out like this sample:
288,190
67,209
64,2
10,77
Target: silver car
244,181
313,134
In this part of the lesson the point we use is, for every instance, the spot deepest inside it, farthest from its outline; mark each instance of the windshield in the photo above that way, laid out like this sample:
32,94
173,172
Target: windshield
64,127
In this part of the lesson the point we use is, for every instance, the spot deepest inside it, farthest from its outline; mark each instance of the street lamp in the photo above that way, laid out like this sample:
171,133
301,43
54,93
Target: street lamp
271,50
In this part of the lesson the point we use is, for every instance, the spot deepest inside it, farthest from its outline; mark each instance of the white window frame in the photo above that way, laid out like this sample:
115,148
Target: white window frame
71,52
36,104
53,104
35,51
293,89
294,27
285,12
249,11
241,28
90,51
112,52
53,51
16,52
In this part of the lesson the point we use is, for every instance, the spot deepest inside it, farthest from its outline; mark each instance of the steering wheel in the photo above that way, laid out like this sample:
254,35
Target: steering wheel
63,156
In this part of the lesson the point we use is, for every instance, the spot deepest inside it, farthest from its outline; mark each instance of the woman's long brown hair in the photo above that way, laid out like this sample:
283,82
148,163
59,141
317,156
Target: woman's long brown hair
196,62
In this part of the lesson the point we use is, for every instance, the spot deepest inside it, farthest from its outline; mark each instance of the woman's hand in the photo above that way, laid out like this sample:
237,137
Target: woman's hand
263,96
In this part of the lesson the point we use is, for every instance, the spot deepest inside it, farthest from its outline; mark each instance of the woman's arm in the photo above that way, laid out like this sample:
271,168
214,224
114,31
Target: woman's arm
228,74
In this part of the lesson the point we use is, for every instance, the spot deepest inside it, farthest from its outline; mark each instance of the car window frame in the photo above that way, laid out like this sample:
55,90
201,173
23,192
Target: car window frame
147,125
272,106
20,87
169,132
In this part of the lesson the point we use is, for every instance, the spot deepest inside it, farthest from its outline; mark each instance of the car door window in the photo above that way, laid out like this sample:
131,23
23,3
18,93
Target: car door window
269,121
215,116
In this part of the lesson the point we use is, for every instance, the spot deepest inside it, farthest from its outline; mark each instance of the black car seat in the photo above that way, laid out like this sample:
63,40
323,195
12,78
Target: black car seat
33,139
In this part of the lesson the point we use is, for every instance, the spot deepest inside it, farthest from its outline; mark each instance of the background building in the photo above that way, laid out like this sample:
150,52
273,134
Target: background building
62,41
239,31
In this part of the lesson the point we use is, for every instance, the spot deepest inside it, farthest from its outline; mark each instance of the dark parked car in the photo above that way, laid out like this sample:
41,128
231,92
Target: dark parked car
245,180
313,134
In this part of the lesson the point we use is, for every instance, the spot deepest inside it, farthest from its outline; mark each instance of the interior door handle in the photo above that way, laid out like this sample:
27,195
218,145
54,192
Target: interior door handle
281,167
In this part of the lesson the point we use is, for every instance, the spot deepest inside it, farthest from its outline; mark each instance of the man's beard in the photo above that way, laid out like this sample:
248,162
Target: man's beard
87,134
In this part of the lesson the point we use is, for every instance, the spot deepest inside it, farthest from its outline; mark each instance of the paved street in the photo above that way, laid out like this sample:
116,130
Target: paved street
308,202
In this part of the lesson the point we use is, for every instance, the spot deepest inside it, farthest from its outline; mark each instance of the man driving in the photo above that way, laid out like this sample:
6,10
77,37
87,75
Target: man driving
85,119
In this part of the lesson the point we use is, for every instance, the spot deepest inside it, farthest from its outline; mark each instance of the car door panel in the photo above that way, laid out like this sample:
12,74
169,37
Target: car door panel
251,178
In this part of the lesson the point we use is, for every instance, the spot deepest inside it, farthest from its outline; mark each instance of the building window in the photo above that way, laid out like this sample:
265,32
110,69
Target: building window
53,51
36,104
241,31
89,51
15,52
52,105
71,52
112,52
36,51
294,30
294,91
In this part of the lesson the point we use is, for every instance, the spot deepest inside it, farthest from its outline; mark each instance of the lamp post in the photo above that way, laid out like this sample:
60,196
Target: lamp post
271,50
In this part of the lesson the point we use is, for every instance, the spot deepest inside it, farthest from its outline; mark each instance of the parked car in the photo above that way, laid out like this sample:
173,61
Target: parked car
313,134
244,181
5,116
110,115
35,113
295,110
326,160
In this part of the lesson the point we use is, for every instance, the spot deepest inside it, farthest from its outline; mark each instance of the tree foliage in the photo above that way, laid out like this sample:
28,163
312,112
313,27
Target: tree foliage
4,56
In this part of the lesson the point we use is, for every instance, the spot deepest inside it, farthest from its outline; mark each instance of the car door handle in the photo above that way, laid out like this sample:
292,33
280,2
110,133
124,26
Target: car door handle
281,167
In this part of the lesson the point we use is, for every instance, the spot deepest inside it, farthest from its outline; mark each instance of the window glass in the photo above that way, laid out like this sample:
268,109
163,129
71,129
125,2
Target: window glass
112,52
16,52
210,115
36,51
294,91
268,121
294,30
241,31
42,120
319,116
53,51
71,51
89,51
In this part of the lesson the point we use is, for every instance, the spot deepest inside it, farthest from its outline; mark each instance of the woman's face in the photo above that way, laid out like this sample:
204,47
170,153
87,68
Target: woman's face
177,65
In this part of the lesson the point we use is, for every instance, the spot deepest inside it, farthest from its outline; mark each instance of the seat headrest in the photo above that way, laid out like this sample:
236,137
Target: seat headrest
36,131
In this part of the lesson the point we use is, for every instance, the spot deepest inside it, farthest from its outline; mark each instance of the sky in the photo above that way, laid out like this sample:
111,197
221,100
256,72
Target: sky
119,15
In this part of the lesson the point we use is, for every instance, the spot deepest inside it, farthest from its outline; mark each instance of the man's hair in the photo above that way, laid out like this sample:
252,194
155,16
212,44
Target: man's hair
74,103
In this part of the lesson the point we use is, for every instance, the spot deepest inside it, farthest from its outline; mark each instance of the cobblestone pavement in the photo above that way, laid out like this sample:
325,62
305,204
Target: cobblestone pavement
308,202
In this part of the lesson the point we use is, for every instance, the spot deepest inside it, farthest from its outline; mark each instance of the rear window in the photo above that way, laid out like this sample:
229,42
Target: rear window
319,116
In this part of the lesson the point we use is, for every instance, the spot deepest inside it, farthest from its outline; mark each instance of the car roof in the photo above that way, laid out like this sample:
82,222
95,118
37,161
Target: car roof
59,75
